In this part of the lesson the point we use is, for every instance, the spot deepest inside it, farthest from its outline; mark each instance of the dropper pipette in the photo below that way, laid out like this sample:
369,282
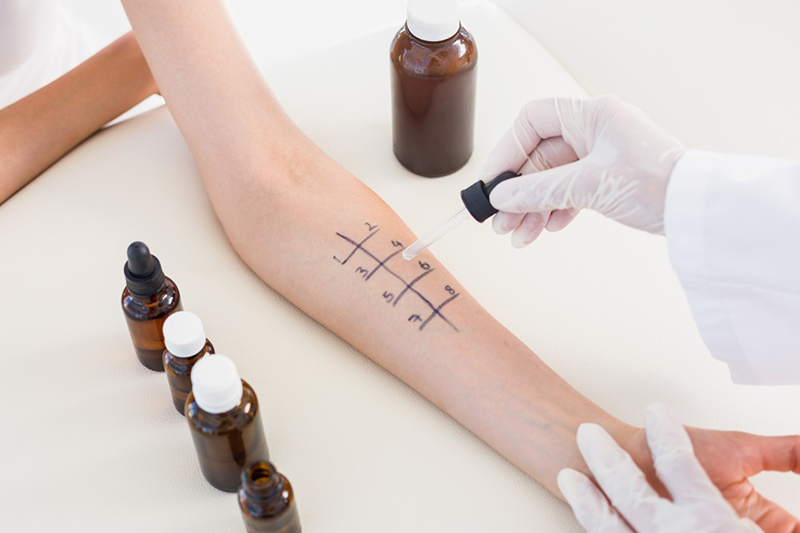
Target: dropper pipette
476,205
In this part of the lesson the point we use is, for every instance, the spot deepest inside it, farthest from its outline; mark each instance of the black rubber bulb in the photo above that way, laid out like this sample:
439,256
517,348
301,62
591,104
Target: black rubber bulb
476,196
140,262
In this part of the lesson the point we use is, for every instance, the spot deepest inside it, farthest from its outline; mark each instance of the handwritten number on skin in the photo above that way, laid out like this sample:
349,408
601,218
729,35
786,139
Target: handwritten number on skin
391,297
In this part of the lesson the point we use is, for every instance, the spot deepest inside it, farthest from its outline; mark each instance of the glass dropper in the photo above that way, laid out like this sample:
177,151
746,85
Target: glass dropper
476,205
433,235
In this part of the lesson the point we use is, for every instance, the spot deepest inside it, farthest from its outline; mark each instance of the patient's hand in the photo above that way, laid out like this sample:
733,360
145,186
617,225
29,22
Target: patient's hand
730,458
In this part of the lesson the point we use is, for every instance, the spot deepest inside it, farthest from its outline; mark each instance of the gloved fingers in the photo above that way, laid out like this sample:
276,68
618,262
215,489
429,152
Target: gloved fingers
503,222
590,506
674,459
619,477
550,153
566,187
537,120
529,229
560,218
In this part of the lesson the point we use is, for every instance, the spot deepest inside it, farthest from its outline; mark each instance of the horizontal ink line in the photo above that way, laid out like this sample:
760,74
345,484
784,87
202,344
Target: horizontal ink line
382,263
409,285
390,271
437,311
358,245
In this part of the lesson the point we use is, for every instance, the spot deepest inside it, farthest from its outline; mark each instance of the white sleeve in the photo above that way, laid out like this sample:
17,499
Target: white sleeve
733,231
40,40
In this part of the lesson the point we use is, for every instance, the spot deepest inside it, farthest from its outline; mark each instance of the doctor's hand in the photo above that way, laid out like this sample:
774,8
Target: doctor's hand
696,505
597,153
706,478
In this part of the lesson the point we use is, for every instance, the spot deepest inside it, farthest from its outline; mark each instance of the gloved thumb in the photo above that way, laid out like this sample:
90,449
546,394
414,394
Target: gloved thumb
564,187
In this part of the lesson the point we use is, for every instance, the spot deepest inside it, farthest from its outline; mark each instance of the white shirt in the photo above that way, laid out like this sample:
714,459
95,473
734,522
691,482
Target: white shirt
39,41
733,230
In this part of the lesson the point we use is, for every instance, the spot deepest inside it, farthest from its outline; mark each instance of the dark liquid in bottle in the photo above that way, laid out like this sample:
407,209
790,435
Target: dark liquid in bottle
145,318
267,500
433,94
179,371
226,442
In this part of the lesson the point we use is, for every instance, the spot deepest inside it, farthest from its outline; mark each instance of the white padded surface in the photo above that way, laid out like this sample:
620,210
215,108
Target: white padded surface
91,442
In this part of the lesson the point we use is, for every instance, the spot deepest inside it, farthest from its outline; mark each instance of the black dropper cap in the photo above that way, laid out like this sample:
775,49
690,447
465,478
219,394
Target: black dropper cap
476,196
143,274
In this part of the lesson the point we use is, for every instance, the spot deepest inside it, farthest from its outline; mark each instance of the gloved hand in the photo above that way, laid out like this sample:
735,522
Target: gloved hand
598,153
697,504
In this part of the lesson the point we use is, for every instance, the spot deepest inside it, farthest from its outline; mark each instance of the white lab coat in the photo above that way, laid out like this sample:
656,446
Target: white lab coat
733,230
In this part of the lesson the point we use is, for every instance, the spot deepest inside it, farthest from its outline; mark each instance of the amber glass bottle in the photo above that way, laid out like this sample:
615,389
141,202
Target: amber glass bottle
223,416
186,344
266,499
148,299
434,76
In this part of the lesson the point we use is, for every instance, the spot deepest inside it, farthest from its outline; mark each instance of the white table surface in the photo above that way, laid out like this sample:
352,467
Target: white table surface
90,440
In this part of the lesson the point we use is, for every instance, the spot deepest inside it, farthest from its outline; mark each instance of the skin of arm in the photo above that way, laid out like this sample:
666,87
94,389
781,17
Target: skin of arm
295,217
39,129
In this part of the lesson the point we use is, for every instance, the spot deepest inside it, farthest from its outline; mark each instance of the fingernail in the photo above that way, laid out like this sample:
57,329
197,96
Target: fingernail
507,225
518,241
598,447
502,195
571,484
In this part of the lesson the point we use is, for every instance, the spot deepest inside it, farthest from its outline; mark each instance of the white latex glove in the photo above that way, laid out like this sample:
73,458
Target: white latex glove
598,153
697,504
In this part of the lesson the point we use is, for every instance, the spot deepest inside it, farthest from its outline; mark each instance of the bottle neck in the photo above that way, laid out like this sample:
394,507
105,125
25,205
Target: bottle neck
262,483
442,43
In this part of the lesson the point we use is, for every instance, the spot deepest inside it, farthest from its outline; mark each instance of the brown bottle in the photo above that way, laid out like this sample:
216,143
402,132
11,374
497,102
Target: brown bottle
266,499
434,77
148,299
223,416
186,344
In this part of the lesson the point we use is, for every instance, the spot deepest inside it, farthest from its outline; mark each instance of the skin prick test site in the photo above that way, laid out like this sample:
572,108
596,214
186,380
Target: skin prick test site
422,266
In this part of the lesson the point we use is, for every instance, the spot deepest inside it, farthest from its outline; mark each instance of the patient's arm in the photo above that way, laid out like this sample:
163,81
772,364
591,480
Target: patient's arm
321,238
40,128
294,214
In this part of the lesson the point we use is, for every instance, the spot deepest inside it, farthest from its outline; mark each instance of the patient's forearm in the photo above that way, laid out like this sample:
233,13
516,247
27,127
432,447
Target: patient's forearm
37,130
331,246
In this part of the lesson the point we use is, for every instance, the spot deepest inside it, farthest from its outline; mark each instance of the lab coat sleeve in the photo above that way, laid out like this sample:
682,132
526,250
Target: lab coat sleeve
733,231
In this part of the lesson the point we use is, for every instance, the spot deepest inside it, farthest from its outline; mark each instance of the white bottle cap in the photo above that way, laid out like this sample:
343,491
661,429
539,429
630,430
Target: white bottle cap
433,20
183,334
216,384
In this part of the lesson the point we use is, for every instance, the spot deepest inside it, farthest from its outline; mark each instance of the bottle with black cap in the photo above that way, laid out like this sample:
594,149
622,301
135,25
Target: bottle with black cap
148,299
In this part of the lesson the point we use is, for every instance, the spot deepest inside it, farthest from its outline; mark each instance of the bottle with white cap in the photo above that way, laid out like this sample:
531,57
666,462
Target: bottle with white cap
434,78
186,344
225,422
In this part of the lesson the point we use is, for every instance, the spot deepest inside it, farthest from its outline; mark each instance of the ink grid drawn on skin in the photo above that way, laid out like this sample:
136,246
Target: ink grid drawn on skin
402,288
